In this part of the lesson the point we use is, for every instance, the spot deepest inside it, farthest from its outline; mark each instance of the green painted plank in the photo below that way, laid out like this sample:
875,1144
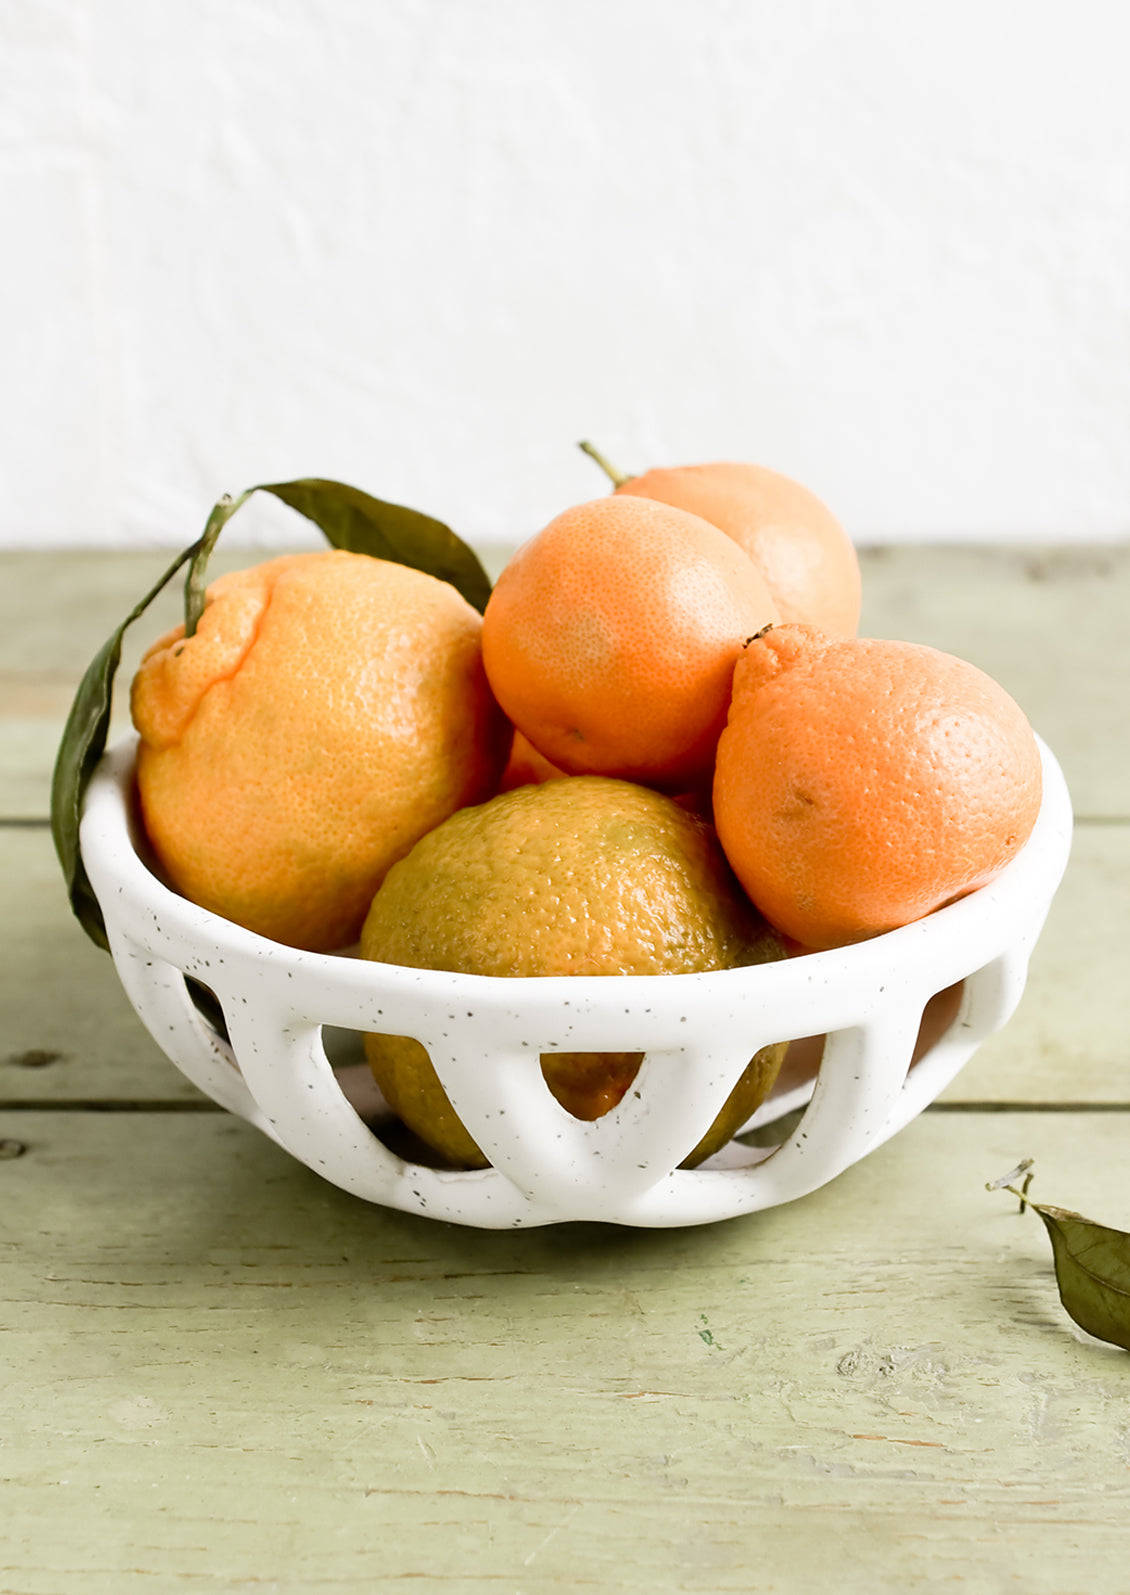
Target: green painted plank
69,1032
56,610
223,1374
1047,623
1069,1041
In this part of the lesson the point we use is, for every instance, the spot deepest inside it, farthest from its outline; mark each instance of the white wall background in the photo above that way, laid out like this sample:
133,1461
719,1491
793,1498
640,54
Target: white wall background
424,245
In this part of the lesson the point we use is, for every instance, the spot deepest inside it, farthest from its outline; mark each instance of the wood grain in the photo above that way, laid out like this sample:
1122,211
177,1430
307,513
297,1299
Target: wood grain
69,1032
1069,1041
223,1373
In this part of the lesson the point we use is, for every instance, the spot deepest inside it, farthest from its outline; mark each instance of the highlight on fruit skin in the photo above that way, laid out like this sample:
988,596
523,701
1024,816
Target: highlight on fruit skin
329,709
585,876
803,553
610,639
862,784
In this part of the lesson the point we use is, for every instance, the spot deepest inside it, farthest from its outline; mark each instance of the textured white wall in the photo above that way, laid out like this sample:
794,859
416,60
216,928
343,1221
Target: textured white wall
425,245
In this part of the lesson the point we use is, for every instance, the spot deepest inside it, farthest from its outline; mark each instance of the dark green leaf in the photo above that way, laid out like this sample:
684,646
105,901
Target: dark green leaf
1092,1270
362,524
82,745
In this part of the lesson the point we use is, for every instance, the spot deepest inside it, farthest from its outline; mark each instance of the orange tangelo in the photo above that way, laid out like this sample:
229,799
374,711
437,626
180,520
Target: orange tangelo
862,784
329,709
797,544
610,639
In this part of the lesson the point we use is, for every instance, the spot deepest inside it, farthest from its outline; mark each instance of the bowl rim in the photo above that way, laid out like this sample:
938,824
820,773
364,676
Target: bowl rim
984,921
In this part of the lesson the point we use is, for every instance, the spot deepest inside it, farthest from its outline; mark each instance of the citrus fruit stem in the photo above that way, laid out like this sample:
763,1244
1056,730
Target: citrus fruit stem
617,478
195,582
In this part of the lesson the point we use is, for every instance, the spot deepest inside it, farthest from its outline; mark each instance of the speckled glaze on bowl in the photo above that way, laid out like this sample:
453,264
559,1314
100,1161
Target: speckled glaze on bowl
485,1035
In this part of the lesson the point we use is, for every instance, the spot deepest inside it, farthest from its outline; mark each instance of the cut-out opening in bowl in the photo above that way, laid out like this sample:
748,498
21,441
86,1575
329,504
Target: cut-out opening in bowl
589,1085
870,998
208,1006
776,1119
938,1018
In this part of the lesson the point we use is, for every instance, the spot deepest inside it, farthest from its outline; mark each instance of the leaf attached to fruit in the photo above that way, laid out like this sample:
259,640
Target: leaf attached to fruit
350,519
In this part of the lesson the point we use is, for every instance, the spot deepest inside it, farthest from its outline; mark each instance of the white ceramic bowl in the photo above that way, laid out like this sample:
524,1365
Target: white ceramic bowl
485,1035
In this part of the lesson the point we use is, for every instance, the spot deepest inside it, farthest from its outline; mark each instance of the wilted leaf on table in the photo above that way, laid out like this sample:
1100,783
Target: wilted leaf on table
1092,1270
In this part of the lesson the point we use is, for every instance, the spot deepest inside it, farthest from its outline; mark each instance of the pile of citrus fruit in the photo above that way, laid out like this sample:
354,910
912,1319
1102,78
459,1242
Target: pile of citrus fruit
661,749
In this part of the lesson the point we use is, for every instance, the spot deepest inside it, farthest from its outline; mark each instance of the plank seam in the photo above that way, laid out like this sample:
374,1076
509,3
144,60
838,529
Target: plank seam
155,1105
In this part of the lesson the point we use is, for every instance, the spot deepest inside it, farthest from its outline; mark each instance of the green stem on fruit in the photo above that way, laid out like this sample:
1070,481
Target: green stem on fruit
617,478
196,580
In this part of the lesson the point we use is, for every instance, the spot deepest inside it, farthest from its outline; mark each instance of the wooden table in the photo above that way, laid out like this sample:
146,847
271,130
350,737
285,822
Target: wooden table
221,1373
